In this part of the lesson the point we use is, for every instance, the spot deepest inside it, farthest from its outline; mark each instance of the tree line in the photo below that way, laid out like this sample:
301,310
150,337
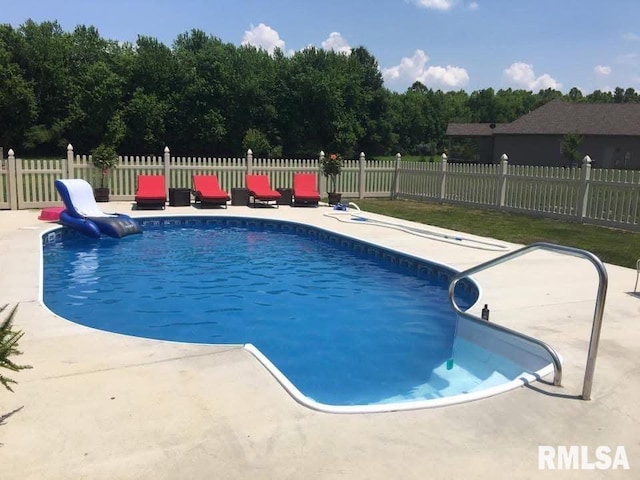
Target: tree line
202,96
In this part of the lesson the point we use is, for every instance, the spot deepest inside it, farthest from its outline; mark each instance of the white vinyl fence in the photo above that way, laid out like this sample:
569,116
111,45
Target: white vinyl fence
30,183
600,197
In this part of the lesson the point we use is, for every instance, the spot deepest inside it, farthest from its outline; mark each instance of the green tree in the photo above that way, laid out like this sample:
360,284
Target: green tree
252,103
545,96
9,347
575,95
419,121
18,109
365,102
631,96
203,96
618,95
97,90
598,96
483,104
569,145
97,102
456,107
512,104
146,116
43,56
197,121
151,74
259,144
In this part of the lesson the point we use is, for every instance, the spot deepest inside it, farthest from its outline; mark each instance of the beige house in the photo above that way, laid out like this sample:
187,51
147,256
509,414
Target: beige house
610,131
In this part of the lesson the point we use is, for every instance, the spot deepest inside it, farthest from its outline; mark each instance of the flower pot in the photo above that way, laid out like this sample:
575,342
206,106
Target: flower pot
334,198
101,194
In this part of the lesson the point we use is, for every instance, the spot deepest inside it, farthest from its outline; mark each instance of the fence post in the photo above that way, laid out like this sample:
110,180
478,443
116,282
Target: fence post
167,168
323,180
585,176
363,176
249,162
504,168
396,177
443,177
12,179
67,166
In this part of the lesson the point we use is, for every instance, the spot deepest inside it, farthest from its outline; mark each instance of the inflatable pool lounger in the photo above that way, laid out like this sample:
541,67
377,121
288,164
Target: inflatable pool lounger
83,214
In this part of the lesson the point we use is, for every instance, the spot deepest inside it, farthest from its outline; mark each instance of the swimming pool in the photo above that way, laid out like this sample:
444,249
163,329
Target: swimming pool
340,322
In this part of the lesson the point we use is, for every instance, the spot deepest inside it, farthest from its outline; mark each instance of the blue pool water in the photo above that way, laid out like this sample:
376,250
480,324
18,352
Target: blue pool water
345,322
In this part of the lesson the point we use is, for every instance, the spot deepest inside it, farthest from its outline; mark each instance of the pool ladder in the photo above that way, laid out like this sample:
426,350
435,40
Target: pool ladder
597,316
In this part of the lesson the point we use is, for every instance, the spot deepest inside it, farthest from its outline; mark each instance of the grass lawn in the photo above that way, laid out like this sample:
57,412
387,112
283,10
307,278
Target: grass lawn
610,245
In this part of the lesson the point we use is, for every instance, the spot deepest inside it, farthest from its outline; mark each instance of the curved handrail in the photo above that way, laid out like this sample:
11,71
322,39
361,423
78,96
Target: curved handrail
597,316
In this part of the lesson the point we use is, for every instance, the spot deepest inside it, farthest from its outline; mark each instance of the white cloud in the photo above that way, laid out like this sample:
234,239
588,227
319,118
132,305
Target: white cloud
522,75
602,70
435,4
412,69
264,37
448,76
631,36
474,6
337,43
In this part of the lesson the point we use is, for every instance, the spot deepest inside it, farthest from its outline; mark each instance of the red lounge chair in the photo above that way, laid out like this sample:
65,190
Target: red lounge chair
259,189
151,191
305,190
207,191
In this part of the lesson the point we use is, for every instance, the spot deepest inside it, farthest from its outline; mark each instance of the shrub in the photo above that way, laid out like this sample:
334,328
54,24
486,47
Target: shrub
105,159
9,347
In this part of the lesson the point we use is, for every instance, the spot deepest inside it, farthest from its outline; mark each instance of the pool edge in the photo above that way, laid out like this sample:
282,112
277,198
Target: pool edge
298,396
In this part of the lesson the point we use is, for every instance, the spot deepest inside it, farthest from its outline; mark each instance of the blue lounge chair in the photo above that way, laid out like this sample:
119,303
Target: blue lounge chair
83,214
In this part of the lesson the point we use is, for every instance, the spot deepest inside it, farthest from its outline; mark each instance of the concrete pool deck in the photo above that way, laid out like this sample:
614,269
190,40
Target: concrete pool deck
100,405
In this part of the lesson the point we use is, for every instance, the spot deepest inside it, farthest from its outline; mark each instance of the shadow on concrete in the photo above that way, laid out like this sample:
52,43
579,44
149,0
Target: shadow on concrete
7,415
543,391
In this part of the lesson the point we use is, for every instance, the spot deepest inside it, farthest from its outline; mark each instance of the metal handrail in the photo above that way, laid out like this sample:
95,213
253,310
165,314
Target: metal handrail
597,316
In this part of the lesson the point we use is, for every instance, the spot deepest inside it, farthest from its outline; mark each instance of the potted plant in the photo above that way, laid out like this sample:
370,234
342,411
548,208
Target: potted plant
331,167
104,158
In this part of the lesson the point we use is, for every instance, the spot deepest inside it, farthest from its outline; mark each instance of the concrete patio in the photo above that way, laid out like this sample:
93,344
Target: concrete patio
98,405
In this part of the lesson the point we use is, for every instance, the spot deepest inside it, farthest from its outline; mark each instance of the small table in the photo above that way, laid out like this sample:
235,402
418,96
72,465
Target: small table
240,197
179,197
286,196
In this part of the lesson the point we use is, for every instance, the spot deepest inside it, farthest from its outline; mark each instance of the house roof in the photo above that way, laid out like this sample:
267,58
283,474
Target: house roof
470,129
559,118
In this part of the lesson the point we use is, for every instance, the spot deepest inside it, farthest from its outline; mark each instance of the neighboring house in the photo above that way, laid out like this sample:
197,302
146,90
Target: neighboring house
610,131
481,133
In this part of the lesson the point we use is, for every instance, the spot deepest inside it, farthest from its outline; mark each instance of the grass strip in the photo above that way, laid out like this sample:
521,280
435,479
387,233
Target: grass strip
611,245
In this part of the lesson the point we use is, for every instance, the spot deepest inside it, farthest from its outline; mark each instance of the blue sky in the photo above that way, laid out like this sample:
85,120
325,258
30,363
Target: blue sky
446,44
